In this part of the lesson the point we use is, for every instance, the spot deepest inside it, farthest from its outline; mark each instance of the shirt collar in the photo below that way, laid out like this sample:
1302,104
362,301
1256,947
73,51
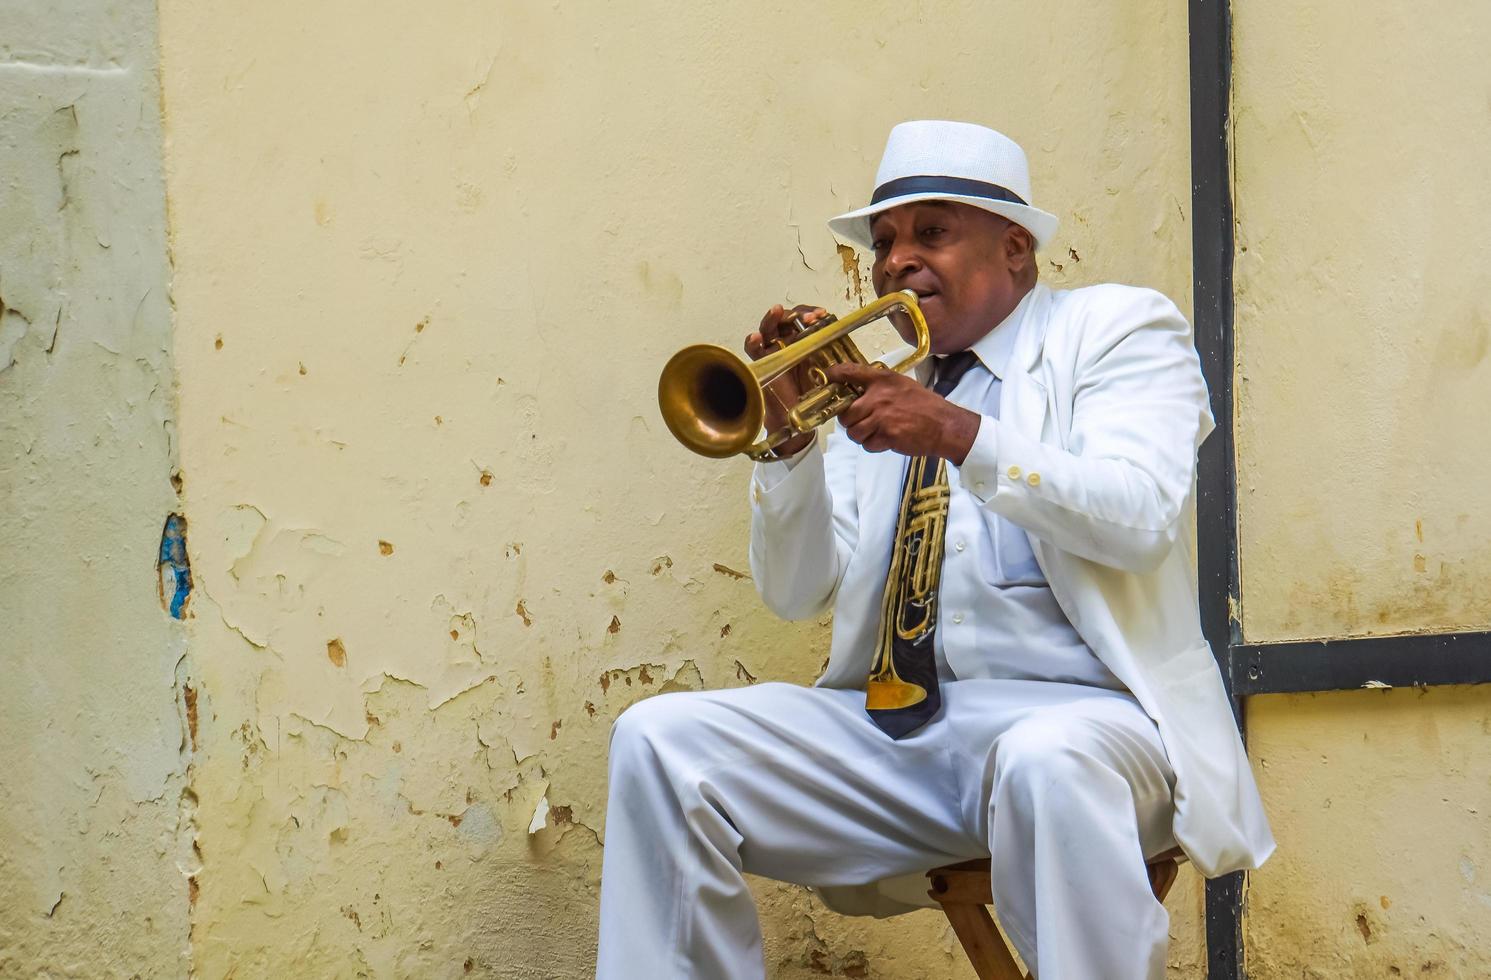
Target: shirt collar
994,348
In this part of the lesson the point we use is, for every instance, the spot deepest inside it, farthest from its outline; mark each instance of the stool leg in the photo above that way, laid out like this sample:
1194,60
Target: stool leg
981,941
1162,875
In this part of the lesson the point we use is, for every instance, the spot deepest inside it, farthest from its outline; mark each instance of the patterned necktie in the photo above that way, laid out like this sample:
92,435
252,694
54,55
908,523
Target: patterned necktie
901,694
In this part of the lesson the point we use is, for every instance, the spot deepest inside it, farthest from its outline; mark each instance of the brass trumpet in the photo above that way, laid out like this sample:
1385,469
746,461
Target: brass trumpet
714,401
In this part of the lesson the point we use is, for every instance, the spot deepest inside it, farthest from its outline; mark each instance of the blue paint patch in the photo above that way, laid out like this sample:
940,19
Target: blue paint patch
175,571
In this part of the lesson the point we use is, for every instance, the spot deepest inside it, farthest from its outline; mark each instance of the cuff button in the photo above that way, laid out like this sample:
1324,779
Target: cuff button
1014,472
1034,479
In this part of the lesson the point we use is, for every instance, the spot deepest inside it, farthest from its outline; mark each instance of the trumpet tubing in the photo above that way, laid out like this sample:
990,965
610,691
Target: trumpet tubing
714,401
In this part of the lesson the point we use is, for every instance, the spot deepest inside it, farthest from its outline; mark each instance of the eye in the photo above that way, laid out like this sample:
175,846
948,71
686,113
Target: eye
932,231
879,245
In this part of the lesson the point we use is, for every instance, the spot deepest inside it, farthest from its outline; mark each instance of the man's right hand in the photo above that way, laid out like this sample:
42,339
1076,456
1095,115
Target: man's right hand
784,392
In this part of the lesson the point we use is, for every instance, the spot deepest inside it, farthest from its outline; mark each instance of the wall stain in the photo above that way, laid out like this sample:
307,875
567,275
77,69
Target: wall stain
189,695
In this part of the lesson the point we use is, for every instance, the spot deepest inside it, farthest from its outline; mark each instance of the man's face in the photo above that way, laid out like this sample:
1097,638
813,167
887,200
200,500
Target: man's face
968,267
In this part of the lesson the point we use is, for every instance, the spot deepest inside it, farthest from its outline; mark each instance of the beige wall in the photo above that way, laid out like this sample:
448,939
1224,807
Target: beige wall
1380,802
427,266
426,269
1363,391
95,814
1363,318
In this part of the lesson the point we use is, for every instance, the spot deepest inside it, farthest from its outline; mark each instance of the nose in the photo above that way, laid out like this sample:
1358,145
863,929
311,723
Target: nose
901,260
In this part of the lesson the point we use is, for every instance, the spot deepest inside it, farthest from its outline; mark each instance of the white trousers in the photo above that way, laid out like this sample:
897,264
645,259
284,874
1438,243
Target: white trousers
1067,787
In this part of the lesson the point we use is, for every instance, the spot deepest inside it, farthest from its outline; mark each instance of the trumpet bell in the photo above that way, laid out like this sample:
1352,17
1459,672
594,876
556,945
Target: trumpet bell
711,401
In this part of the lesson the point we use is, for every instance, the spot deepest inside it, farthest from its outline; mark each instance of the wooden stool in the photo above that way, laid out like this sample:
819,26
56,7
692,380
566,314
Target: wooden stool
963,891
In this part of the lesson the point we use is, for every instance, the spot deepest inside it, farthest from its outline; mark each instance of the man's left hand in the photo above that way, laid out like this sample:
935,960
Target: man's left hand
894,412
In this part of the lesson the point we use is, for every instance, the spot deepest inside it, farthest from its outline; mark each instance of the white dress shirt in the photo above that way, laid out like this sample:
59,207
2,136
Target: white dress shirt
997,616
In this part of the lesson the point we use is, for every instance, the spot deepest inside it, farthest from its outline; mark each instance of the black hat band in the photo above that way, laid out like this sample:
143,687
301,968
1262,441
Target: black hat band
963,186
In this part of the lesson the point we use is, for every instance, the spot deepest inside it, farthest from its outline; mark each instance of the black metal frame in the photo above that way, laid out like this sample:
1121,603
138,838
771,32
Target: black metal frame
1268,668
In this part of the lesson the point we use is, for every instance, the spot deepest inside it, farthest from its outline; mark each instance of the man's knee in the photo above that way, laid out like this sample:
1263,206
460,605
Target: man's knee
649,728
1042,755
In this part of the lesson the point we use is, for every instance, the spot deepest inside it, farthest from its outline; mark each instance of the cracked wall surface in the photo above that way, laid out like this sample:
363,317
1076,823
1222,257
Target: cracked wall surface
431,536
95,817
1364,383
427,268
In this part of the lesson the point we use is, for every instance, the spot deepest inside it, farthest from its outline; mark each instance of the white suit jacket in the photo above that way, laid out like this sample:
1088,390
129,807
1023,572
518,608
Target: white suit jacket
1094,454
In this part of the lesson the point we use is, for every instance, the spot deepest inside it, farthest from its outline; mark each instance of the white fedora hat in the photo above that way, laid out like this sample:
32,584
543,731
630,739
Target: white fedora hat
930,160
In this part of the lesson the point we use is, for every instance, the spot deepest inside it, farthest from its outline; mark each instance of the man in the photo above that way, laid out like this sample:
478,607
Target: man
1055,707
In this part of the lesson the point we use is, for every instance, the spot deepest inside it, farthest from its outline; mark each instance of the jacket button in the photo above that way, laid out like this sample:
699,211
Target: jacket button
1014,472
1034,479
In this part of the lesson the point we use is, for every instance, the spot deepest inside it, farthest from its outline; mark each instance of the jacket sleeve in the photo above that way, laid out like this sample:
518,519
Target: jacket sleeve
804,528
1116,494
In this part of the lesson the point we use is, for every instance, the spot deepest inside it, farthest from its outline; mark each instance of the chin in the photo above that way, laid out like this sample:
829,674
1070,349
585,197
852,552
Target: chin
944,340
903,327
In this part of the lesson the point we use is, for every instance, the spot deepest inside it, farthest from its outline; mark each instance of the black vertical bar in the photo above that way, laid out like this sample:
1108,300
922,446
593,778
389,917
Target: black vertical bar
1224,937
1211,263
1216,528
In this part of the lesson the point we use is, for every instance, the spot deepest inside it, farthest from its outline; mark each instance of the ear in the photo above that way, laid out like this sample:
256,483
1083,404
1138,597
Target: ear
1019,247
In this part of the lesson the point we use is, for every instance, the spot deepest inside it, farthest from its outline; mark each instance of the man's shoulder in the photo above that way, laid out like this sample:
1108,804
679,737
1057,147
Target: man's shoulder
1112,298
1102,314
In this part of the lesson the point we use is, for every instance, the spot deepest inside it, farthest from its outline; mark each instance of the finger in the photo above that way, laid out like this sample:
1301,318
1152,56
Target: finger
857,376
856,413
771,325
863,431
808,314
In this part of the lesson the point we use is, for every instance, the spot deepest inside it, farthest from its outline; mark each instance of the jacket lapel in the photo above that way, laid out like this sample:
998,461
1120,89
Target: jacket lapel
1022,397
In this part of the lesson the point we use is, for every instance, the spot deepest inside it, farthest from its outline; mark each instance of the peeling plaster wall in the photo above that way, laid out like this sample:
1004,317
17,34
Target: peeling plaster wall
95,819
428,265
1364,384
